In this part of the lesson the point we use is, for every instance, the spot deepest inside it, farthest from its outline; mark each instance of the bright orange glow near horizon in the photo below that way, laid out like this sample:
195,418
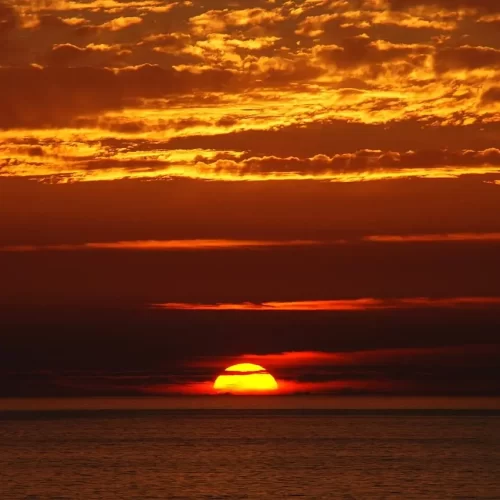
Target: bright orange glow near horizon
245,378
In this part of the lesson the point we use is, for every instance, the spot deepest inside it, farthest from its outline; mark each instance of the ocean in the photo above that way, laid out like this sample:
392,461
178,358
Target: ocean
249,454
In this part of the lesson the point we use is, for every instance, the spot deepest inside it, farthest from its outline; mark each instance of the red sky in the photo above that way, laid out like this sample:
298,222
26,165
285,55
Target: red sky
185,181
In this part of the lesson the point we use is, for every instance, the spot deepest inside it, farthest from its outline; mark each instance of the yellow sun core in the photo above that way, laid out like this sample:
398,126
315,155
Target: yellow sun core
245,378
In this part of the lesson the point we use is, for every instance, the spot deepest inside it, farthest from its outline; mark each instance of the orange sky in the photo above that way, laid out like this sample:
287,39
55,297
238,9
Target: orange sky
250,160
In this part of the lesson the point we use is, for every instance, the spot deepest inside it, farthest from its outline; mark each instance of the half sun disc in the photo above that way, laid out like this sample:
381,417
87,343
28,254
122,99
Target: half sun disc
245,378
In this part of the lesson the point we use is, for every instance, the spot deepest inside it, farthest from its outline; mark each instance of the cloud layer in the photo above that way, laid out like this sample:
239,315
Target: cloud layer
103,90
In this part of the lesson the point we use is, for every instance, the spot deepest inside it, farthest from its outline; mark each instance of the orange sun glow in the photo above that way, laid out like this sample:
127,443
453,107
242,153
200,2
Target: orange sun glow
245,378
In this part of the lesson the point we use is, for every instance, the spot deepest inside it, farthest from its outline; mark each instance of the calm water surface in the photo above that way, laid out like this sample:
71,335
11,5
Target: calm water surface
248,455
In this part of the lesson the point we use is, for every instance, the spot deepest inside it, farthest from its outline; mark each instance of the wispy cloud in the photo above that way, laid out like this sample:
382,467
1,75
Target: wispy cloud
234,244
453,354
415,238
284,387
161,245
362,304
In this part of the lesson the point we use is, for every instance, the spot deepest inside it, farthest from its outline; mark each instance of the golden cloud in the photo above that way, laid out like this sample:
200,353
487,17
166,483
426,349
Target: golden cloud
121,23
75,74
216,21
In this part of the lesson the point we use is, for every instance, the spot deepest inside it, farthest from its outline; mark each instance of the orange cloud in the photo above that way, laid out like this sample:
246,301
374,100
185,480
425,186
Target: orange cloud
226,244
284,387
281,359
363,304
217,20
365,165
121,23
336,386
198,71
159,245
395,356
98,6
415,238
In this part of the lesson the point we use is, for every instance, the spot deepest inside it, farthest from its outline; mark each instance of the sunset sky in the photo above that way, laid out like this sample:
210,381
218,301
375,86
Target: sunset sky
312,186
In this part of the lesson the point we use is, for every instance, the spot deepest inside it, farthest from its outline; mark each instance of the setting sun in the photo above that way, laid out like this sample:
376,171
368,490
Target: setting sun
245,378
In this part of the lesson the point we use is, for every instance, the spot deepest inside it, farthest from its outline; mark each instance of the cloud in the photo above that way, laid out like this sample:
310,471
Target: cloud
121,23
227,165
295,361
491,20
73,21
364,160
48,97
167,245
66,54
216,21
349,92
284,387
466,57
362,51
420,20
227,244
491,96
10,24
363,304
482,5
389,371
320,26
425,238
169,43
222,50
8,19
96,6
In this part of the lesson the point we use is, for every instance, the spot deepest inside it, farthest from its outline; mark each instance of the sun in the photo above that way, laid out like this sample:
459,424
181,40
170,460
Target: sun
245,378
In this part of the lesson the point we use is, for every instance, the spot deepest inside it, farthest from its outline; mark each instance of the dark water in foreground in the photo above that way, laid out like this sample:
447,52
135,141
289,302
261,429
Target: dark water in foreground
249,455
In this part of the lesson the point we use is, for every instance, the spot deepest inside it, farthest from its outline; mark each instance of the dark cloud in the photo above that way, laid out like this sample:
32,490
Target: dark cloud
332,137
9,24
466,57
486,5
492,95
67,54
360,161
34,97
361,50
8,20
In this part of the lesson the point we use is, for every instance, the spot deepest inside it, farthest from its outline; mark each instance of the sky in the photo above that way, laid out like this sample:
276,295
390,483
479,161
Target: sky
312,186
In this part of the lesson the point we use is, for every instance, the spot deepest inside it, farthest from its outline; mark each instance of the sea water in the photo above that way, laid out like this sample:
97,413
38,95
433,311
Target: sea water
249,454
